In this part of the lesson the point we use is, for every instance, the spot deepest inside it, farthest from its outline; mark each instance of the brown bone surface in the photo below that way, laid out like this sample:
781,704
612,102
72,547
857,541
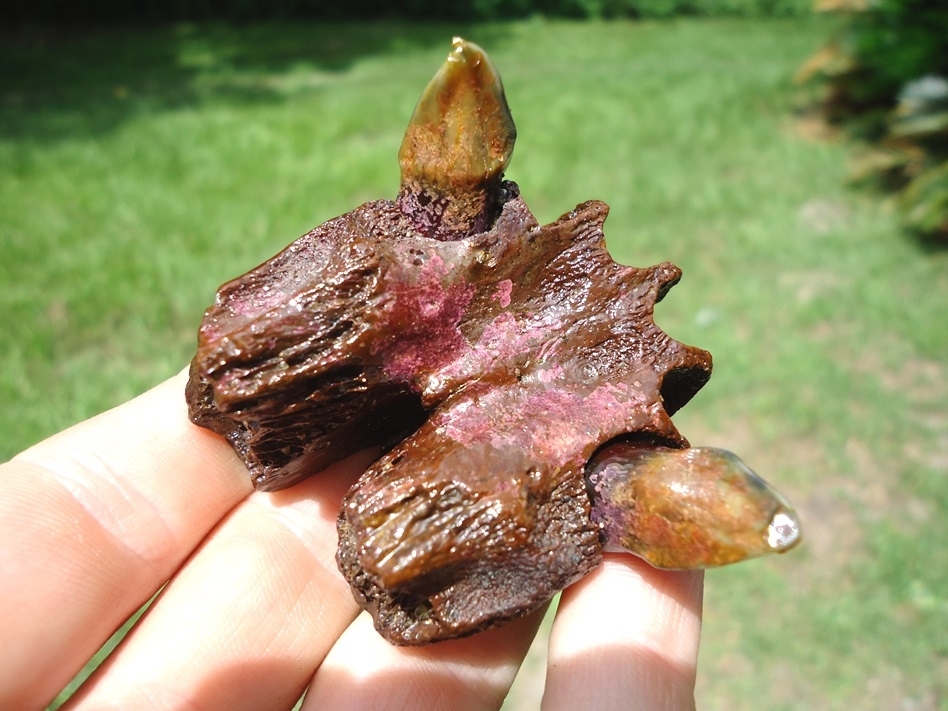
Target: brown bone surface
490,366
525,347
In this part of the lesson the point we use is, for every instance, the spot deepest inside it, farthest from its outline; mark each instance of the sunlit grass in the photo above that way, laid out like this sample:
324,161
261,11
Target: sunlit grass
140,170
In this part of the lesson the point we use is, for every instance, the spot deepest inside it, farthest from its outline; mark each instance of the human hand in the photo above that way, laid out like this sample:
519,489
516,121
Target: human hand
94,520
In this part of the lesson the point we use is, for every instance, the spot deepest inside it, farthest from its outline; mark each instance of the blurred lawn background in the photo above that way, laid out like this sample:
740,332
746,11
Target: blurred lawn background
140,169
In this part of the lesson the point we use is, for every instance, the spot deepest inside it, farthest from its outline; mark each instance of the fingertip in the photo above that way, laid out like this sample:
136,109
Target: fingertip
364,671
626,637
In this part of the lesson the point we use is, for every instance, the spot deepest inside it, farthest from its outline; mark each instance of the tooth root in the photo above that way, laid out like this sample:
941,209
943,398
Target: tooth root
687,508
457,146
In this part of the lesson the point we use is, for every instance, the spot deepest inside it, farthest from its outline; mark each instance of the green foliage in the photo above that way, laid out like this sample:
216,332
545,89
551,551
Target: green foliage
924,201
885,76
110,12
712,8
895,42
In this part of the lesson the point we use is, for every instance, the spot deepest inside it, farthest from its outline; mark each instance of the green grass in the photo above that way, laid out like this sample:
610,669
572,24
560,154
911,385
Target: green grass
139,170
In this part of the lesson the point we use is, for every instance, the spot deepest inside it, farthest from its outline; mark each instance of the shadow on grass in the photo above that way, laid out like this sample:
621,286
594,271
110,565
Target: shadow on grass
931,243
57,83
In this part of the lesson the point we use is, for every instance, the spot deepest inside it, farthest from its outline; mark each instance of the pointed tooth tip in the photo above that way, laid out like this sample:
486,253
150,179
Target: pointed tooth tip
467,58
462,49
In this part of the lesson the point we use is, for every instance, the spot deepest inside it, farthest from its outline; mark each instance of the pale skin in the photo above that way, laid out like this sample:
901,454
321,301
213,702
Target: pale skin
96,519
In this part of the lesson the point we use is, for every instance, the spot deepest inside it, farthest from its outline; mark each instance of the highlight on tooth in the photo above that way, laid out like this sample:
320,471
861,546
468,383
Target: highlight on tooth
687,508
783,532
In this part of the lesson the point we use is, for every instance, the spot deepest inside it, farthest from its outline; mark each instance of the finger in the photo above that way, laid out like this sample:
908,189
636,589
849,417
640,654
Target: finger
626,637
93,521
363,671
250,617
